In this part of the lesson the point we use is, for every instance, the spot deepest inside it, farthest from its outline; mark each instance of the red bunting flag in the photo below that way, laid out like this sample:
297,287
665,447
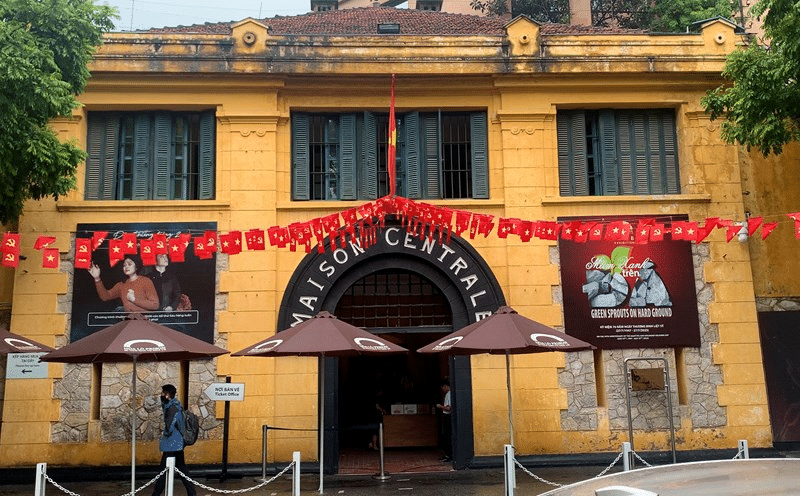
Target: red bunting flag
234,242
642,235
753,223
678,230
272,232
11,243
526,230
200,244
568,229
795,216
462,221
618,230
210,238
129,241
116,251
350,218
83,253
97,239
43,241
160,244
330,223
581,233
177,247
732,229
10,259
504,227
657,232
255,239
50,258
767,228
147,250
596,233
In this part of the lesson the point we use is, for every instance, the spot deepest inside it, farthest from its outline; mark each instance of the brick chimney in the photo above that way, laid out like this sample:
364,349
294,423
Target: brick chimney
580,12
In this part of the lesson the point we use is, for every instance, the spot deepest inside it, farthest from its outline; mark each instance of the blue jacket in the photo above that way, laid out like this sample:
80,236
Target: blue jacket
172,438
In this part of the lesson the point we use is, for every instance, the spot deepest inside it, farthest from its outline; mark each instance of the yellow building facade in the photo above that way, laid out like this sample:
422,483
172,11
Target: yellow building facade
259,80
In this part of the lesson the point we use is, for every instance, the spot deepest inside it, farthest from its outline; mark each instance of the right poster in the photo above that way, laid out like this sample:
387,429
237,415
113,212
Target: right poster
623,294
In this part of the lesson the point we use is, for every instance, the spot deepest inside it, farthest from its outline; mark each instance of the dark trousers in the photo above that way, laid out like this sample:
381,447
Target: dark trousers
447,435
180,464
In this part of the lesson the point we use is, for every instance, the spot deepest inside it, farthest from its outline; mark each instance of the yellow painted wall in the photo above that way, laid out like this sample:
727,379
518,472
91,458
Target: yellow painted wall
521,94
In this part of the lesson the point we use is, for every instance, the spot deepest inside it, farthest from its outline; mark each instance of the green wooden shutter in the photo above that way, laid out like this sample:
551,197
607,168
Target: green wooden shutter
664,121
412,157
206,161
348,177
431,162
640,153
608,152
573,174
162,163
142,156
626,156
480,154
300,157
369,166
102,144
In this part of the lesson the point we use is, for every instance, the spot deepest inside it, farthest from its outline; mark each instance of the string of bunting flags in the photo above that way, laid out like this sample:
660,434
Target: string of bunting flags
360,225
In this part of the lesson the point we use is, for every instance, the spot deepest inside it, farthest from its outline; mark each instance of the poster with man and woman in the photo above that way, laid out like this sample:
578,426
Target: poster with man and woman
140,275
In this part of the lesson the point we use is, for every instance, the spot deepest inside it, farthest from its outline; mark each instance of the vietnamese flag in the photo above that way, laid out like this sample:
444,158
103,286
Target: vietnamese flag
50,258
116,251
642,236
753,223
43,241
392,158
129,241
503,227
177,249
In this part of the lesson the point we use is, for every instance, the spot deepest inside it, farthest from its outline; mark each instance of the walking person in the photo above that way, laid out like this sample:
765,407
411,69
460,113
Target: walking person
171,444
447,427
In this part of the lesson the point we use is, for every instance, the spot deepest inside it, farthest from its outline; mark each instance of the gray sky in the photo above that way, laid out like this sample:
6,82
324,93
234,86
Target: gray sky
144,14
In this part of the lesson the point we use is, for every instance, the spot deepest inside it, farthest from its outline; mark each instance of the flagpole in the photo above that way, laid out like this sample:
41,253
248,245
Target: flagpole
392,148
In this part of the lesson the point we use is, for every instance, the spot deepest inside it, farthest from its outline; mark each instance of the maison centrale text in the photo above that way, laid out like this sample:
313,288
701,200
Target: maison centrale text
447,258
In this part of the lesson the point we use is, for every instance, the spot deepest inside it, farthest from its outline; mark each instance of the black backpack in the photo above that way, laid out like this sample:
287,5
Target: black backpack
191,428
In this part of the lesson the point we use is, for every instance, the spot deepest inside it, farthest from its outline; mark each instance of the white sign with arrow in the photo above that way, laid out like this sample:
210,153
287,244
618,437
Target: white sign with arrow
225,391
26,366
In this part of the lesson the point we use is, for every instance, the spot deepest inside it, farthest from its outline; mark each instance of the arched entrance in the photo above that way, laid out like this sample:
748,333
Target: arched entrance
376,288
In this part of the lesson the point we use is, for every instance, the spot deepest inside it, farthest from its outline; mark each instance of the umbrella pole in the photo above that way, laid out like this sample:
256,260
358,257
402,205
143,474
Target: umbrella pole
321,417
133,428
508,387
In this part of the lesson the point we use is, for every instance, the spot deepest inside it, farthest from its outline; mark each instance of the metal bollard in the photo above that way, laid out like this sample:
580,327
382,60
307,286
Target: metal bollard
508,470
264,430
382,476
627,457
743,449
170,476
296,474
41,481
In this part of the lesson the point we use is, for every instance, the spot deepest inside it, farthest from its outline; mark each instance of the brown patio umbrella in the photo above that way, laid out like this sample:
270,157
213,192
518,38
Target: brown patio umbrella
322,335
505,332
14,343
134,340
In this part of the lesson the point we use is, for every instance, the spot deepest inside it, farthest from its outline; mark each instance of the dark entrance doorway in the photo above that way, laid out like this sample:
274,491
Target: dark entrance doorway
349,278
399,391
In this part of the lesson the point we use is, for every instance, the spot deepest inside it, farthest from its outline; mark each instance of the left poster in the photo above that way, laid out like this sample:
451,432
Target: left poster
179,295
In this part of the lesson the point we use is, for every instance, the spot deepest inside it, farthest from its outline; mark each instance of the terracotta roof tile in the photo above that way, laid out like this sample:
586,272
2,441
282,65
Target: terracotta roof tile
364,21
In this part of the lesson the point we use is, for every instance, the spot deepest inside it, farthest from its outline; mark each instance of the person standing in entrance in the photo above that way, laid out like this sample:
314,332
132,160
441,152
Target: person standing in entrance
171,444
447,427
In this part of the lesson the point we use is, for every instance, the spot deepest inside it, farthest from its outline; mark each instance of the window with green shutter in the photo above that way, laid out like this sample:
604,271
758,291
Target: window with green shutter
150,156
440,155
617,152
